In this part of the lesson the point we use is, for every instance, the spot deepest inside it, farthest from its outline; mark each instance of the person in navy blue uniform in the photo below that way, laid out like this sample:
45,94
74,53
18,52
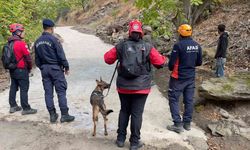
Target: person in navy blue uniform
185,56
50,59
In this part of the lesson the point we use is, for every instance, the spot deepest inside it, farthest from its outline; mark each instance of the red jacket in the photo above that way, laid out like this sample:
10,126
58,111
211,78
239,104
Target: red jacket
22,53
156,59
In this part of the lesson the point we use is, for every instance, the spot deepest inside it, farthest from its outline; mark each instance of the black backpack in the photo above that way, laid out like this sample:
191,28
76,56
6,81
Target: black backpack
8,57
134,59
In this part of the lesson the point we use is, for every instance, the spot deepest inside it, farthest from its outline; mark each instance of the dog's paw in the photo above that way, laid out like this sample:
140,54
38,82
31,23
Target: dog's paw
106,133
93,134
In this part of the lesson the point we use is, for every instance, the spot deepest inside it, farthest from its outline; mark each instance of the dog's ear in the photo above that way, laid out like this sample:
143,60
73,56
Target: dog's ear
101,79
97,81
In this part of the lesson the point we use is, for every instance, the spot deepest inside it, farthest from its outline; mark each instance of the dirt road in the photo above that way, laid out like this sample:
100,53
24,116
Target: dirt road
85,55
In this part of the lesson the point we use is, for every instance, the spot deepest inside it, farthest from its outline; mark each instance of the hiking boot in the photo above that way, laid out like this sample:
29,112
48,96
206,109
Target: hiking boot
53,117
175,128
15,109
136,147
119,143
187,126
67,118
29,111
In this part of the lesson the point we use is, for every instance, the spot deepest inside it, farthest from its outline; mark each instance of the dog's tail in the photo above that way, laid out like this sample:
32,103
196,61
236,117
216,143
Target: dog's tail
105,111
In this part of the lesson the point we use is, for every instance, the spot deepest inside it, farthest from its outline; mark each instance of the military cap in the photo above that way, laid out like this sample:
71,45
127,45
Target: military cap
48,23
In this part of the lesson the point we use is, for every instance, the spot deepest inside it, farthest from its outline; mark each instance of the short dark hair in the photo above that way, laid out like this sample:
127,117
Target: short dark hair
221,27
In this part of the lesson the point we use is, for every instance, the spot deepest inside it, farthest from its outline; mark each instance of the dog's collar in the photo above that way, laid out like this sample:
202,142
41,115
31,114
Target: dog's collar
97,93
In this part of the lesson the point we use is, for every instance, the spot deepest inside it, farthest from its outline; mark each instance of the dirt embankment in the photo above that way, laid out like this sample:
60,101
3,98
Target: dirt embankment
109,20
236,17
4,78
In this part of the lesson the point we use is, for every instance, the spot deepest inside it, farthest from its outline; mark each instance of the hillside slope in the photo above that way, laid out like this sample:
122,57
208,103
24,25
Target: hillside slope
236,17
109,19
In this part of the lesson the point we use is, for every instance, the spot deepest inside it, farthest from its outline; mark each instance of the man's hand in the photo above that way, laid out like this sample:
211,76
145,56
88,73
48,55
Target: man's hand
66,72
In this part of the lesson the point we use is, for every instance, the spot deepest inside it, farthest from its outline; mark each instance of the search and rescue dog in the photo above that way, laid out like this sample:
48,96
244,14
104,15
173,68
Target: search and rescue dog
97,102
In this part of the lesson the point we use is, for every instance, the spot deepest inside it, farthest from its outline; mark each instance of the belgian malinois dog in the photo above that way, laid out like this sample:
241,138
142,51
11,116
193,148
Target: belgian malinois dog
97,102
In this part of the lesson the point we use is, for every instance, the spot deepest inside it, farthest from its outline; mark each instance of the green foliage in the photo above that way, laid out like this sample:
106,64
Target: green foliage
29,13
196,2
161,14
154,14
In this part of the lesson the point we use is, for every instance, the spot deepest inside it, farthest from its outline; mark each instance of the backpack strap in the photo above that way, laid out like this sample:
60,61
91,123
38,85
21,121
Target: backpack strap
119,48
11,45
146,59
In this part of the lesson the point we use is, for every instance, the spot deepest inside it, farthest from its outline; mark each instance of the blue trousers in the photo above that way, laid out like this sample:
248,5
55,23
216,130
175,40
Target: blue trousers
176,88
220,63
53,77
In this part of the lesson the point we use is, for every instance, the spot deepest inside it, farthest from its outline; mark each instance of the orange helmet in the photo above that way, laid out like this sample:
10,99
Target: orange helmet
185,30
135,26
15,26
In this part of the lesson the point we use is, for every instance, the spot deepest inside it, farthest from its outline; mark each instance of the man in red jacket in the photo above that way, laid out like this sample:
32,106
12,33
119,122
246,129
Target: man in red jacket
20,75
133,81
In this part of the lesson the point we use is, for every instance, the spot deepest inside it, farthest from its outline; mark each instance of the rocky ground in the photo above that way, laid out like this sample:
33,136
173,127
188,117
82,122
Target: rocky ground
236,17
208,112
16,135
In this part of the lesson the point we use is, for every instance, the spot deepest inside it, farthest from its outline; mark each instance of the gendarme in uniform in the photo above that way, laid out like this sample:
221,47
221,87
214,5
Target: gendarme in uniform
51,60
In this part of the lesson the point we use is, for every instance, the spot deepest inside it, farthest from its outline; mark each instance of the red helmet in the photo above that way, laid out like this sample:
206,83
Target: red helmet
15,26
135,26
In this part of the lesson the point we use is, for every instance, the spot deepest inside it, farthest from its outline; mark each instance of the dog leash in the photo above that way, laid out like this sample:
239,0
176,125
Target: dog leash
112,78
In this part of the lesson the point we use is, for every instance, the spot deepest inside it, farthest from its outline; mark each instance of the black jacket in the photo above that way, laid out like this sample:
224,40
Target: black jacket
222,46
48,50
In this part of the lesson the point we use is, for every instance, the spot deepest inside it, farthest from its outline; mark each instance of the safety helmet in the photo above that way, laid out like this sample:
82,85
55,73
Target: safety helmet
15,26
185,30
135,26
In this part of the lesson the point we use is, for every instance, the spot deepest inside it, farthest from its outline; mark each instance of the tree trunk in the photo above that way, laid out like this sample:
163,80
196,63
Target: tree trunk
187,8
198,10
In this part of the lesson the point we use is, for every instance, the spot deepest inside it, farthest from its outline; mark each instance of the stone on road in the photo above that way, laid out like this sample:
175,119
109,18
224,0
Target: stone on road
85,55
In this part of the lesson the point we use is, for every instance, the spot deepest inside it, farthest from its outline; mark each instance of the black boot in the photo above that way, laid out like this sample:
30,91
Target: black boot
29,111
119,143
187,126
178,128
67,118
53,116
15,108
136,147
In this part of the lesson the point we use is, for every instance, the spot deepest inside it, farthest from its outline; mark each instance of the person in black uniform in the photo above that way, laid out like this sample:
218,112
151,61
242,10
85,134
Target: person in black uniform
51,60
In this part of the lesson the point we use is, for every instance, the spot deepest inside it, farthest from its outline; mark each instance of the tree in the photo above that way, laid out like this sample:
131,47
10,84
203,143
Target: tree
29,13
162,15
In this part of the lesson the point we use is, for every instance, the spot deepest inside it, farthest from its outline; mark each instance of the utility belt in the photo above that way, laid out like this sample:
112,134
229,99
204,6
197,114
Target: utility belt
52,66
56,63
